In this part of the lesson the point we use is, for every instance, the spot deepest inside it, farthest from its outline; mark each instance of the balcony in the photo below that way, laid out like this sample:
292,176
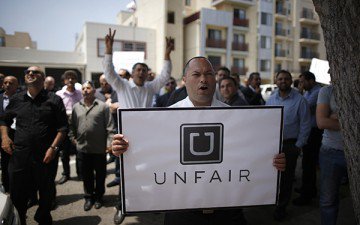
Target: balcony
280,53
215,43
237,46
310,35
239,70
241,22
308,17
280,32
246,3
309,55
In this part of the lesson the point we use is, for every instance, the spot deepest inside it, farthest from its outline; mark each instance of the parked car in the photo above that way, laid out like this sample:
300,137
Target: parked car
267,90
8,213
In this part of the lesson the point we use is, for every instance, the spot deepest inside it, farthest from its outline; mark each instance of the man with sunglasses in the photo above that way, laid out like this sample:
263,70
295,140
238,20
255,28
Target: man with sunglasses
41,125
162,100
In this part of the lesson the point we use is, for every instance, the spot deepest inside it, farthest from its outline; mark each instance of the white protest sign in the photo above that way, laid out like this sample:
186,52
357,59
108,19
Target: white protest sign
192,158
320,68
126,59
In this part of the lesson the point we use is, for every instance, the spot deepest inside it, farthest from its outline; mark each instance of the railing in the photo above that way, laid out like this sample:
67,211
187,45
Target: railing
309,55
239,70
241,22
310,35
191,18
215,43
281,11
307,14
237,46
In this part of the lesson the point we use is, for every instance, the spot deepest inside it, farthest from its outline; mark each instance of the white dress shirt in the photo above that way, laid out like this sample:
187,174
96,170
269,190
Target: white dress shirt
187,103
129,94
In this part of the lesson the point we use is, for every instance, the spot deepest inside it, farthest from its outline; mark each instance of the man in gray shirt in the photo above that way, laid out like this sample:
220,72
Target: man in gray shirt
332,157
91,130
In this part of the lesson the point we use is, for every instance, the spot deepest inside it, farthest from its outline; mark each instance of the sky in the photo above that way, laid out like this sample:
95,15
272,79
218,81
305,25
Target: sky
53,24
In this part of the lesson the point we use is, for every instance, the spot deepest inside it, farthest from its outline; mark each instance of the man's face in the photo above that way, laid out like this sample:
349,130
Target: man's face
220,74
70,80
87,91
49,83
284,81
256,81
200,81
10,85
306,84
139,75
105,86
227,89
34,77
170,85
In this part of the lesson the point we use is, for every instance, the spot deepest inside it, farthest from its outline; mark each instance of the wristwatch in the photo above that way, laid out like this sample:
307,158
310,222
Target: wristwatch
54,148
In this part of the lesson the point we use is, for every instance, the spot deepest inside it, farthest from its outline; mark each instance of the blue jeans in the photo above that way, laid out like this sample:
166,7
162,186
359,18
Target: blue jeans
332,170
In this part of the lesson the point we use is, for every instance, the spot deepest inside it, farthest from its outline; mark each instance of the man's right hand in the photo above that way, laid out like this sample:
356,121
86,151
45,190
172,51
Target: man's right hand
109,41
119,144
7,144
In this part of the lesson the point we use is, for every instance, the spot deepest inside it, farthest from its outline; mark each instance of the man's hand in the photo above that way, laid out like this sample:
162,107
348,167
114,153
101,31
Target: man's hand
119,144
279,162
169,47
7,144
49,155
109,41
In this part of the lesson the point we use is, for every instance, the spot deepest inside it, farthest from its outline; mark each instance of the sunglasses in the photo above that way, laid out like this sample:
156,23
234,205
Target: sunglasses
33,72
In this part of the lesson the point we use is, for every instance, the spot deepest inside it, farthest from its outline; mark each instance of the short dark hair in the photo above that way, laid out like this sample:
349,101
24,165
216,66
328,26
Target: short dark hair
69,73
308,75
196,57
283,71
228,78
224,68
141,64
252,75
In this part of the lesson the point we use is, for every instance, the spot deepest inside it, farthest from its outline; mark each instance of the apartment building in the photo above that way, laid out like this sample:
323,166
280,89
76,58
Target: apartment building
244,35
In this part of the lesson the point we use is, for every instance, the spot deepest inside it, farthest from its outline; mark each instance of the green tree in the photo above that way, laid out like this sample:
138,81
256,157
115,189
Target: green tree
340,22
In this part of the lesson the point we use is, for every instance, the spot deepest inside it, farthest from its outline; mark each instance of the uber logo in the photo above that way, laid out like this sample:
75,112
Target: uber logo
201,143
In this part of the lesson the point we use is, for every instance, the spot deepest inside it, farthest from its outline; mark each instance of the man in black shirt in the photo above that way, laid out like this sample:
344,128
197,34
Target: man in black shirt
41,124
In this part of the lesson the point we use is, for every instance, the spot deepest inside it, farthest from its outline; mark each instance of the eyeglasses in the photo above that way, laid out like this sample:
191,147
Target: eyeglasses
33,72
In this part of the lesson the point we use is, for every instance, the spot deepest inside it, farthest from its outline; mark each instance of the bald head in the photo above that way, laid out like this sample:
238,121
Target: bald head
105,86
49,83
10,85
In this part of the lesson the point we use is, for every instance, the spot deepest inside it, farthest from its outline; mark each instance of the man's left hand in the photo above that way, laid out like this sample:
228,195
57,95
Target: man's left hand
49,155
279,162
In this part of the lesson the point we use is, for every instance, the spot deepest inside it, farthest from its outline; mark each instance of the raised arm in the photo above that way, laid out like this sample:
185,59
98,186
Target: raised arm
111,76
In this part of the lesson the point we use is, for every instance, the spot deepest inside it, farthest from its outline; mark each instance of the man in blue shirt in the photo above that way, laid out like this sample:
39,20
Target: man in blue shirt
297,125
311,149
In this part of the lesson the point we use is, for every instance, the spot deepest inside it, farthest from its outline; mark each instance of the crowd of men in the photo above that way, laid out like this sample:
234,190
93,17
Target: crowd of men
39,125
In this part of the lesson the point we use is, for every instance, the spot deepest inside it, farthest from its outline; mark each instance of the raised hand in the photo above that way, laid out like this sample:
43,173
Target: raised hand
109,41
169,47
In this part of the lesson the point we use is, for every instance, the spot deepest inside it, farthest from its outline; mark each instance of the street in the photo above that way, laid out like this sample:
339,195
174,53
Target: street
70,208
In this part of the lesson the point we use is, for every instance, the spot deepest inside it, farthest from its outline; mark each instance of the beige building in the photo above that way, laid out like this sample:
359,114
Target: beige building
244,35
17,40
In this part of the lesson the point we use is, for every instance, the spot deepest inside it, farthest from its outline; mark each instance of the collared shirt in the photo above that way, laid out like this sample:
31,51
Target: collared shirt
69,98
297,123
92,127
188,103
129,94
38,121
311,97
6,101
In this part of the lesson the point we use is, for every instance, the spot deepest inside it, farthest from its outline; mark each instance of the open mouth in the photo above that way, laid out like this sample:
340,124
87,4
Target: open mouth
203,88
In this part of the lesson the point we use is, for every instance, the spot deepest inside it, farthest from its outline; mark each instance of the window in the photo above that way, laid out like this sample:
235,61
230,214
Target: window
215,61
240,14
240,63
2,41
171,17
187,2
266,19
239,38
264,65
214,34
121,46
265,42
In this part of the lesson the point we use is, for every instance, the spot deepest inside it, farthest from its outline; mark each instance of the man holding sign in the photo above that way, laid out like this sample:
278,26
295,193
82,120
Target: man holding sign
199,78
